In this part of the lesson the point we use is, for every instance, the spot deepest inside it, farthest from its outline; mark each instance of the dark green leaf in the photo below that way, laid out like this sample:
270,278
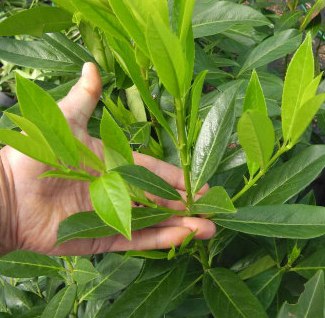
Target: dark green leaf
84,271
286,221
144,179
36,21
228,296
312,263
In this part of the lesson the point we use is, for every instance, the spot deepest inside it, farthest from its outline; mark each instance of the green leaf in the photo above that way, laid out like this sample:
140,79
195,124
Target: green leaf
35,54
113,277
273,48
146,180
113,138
254,97
256,136
61,304
155,293
147,254
211,17
299,75
36,21
265,285
312,263
40,108
295,221
90,225
112,202
311,301
215,200
285,181
228,296
184,11
212,140
84,271
195,104
135,104
25,264
28,146
167,55
67,174
313,11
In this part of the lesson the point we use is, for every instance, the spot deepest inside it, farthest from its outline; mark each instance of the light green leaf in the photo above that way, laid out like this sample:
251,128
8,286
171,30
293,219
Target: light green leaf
135,104
40,108
25,264
212,17
295,221
61,304
84,271
313,11
275,47
215,200
183,11
146,180
155,293
167,55
90,225
256,136
113,137
212,140
311,301
36,21
112,202
228,296
67,174
285,181
299,75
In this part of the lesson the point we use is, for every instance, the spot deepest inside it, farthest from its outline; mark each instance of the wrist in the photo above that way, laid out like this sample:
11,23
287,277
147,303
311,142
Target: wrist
7,211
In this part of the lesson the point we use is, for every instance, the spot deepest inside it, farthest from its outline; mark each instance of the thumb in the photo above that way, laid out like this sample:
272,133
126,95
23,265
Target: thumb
82,99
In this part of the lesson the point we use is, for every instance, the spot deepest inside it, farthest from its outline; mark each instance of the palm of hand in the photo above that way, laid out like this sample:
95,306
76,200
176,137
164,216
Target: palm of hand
39,205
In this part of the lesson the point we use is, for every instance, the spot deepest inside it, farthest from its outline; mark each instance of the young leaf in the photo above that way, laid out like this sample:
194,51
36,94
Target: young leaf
155,293
146,180
285,181
84,271
62,303
25,264
256,135
312,12
295,221
311,301
167,55
112,202
36,21
113,137
228,296
67,174
135,104
212,140
215,200
195,104
40,108
299,75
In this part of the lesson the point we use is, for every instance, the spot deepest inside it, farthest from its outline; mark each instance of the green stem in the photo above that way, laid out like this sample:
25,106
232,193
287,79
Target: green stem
261,173
204,259
183,149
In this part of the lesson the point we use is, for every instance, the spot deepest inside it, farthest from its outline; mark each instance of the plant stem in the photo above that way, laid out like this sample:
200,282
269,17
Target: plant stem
182,146
261,173
203,255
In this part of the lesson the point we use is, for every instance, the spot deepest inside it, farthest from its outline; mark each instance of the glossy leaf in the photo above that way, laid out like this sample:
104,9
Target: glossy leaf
228,296
311,301
36,21
135,104
273,48
211,17
293,221
212,140
256,136
144,179
25,264
84,271
155,293
61,304
40,108
112,202
299,75
285,181
215,200
167,55
90,225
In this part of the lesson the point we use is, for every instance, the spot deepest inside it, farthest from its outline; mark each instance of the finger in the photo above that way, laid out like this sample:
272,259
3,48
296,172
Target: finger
146,239
82,99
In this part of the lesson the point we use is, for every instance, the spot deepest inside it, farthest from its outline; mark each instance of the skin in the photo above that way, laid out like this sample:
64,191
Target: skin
32,208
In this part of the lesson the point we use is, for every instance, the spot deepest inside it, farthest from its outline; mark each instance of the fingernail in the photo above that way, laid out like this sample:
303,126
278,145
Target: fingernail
86,69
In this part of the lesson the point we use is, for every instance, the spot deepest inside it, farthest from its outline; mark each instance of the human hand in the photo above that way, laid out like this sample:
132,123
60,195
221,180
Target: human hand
32,208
